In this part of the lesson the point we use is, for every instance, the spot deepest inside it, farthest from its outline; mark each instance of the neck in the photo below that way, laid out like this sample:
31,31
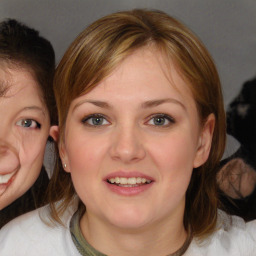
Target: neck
162,238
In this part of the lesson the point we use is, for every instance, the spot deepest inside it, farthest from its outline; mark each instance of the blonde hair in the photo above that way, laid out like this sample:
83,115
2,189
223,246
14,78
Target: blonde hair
99,49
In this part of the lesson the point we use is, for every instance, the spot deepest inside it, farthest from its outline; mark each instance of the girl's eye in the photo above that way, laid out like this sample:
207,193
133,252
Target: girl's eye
28,123
161,120
95,120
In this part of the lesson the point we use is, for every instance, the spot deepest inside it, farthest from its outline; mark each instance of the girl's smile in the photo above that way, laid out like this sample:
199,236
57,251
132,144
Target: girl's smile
128,183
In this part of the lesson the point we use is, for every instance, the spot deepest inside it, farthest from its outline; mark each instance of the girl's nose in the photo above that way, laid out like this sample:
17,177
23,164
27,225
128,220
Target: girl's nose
127,145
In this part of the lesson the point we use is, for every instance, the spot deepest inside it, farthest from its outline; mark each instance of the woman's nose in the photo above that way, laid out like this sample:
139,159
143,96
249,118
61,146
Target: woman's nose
127,145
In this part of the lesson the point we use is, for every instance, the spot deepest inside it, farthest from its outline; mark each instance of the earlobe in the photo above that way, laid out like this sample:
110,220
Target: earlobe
205,141
54,133
63,156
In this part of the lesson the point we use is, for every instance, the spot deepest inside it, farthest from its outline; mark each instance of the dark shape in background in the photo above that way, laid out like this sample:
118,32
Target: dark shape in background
237,175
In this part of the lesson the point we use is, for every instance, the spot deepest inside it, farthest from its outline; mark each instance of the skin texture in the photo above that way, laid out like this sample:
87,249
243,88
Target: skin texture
23,133
130,142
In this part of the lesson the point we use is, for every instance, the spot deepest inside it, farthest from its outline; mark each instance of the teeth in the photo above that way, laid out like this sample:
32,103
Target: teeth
129,181
5,178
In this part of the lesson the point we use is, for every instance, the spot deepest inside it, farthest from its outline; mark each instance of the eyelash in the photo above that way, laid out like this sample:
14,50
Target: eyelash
170,119
22,123
86,120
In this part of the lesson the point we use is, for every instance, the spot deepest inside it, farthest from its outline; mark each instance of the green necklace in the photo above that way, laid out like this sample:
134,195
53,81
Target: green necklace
86,249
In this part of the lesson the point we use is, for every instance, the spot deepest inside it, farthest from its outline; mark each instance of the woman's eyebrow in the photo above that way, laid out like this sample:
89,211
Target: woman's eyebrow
146,104
4,87
33,108
155,103
98,103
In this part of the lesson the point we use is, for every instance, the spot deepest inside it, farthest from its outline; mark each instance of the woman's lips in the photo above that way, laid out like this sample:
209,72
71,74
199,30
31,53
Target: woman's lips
6,180
128,183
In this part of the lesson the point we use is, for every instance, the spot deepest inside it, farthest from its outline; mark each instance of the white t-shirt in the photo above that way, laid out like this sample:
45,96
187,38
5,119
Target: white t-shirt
28,235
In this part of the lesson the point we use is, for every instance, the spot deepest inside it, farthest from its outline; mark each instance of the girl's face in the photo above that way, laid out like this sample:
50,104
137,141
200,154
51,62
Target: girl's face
24,131
132,142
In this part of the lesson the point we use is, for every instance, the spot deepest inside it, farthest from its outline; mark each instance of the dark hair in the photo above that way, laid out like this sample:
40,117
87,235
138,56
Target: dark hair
22,46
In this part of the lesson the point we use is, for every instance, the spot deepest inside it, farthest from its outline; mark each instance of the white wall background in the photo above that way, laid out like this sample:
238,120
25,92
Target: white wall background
227,28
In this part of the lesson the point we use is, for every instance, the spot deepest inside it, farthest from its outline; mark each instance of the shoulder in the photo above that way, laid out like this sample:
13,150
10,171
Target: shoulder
233,236
34,234
236,229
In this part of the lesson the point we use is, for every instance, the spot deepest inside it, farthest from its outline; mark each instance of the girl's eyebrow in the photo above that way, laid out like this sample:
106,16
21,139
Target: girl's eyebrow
4,87
155,103
33,108
146,104
101,104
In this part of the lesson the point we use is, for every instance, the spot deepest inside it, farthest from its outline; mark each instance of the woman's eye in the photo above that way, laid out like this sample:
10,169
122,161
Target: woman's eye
28,123
161,120
95,120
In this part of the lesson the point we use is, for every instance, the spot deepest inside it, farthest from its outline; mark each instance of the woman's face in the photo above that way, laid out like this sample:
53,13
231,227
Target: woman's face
132,142
23,133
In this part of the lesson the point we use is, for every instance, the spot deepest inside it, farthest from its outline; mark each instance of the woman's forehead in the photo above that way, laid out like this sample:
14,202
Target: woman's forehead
142,75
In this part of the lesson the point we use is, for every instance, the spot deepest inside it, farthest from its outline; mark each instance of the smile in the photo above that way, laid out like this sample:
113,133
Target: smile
6,177
128,182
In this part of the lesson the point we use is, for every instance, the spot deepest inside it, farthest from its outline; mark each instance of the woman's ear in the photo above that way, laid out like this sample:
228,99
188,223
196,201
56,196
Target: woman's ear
205,141
54,133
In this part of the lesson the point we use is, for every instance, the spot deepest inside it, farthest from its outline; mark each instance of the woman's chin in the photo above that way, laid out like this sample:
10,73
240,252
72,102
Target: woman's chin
130,220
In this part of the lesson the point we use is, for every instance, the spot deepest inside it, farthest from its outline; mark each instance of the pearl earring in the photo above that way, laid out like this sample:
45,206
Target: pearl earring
64,165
